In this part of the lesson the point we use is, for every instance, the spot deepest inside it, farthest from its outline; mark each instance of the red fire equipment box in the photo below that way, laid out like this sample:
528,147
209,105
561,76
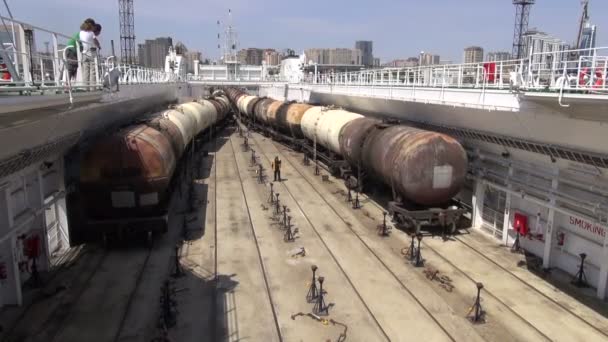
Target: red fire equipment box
520,223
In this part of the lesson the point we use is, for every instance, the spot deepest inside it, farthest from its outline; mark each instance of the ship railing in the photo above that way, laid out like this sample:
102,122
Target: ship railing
571,70
27,67
221,77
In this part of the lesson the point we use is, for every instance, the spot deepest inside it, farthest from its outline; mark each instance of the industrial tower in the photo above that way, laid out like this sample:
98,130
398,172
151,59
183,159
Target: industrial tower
127,31
228,47
583,20
522,15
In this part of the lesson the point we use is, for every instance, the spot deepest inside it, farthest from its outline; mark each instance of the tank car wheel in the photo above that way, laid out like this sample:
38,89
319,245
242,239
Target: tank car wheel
452,228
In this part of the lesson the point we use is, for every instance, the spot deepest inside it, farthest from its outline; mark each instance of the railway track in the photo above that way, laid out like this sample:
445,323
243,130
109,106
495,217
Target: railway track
347,224
532,287
506,270
338,264
468,276
59,315
81,301
127,310
233,163
55,327
215,321
257,245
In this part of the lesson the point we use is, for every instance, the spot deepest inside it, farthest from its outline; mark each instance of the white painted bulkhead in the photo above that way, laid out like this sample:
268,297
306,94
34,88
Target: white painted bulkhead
32,204
570,197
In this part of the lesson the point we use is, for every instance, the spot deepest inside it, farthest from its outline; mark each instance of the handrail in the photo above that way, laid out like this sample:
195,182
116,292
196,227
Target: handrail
544,71
35,71
35,27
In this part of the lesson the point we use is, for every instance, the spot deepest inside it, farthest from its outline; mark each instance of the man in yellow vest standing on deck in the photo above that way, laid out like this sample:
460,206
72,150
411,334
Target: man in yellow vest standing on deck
276,167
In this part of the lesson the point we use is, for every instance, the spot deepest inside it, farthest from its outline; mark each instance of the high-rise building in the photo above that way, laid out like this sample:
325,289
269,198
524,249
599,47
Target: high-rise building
367,54
335,56
272,57
543,47
588,36
250,56
341,56
318,56
498,56
473,54
152,52
428,59
376,62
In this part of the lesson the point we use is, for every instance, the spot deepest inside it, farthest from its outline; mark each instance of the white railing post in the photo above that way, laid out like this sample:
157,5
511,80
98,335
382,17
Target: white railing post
460,75
553,69
79,79
500,75
593,62
578,74
604,74
56,76
530,68
96,65
25,60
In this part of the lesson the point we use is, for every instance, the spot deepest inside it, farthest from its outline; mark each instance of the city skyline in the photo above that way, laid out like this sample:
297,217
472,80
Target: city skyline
385,23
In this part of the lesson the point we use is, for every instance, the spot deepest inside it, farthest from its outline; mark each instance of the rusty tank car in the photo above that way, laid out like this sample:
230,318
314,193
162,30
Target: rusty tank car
424,167
125,177
261,110
290,119
138,157
352,137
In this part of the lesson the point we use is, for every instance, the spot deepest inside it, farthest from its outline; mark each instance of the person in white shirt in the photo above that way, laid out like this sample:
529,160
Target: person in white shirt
89,52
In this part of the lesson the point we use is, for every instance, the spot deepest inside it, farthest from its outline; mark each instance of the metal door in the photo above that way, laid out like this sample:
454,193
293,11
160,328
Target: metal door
493,214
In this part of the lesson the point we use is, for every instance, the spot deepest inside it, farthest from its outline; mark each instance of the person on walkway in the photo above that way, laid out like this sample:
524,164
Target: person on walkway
276,167
71,53
89,53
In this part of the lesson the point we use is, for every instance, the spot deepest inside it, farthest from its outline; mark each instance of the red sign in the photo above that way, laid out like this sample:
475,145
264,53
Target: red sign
588,226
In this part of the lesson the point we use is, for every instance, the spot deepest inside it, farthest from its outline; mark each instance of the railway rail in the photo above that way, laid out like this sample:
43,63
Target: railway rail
532,287
257,246
489,292
333,256
372,252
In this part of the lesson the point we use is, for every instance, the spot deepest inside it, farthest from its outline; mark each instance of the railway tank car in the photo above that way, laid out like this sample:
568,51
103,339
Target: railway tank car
125,178
424,168
290,119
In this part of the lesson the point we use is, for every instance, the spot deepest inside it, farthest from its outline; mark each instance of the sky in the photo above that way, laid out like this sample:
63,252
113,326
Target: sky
398,28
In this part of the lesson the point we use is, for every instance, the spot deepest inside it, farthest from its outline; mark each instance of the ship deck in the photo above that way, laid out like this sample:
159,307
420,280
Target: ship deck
242,281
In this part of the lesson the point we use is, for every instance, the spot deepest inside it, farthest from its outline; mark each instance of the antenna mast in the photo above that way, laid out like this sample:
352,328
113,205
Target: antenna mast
127,31
522,16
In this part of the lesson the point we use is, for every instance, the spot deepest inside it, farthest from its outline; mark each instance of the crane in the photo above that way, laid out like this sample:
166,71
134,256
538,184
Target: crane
583,20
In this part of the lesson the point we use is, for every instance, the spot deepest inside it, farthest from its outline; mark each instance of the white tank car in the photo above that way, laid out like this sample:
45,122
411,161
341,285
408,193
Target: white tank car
326,125
244,103
207,114
183,122
194,110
